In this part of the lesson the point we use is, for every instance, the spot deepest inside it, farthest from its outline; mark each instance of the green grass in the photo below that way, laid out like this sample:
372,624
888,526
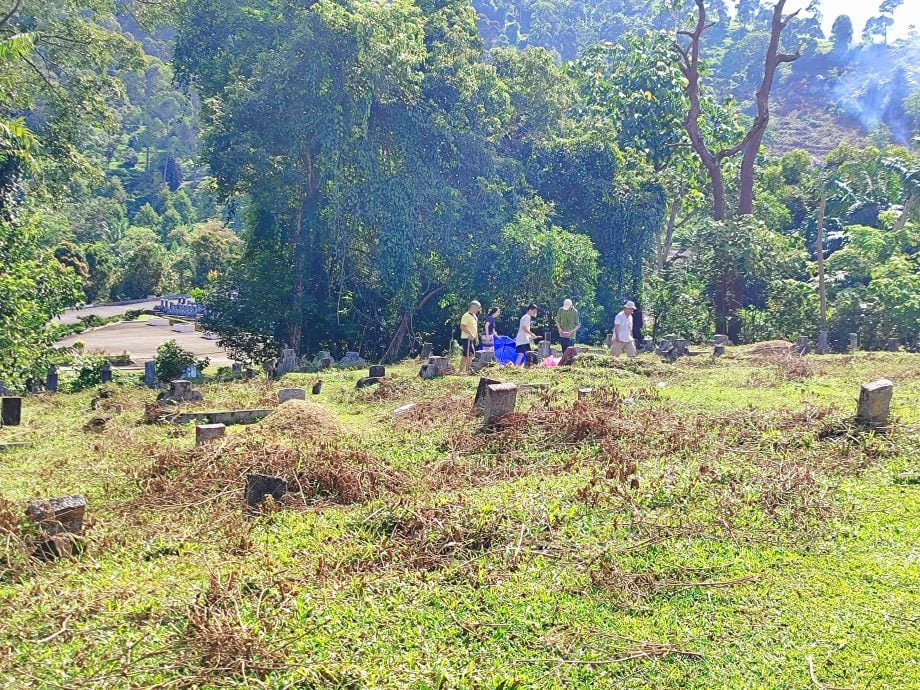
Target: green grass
765,539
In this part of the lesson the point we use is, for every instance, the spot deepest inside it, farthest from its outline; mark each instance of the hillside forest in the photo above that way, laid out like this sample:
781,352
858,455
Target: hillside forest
338,174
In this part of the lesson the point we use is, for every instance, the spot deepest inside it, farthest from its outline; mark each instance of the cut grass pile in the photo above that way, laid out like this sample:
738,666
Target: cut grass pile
707,524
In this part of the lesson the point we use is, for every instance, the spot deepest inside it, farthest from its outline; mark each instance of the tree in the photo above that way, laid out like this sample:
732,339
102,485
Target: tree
842,33
143,272
749,146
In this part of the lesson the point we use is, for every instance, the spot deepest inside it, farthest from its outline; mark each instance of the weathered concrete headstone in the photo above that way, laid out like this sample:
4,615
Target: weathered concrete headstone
368,381
802,346
377,371
822,347
150,374
426,352
608,341
479,402
893,344
190,372
721,339
287,363
236,368
682,346
249,373
3,389
584,392
500,401
286,394
351,359
428,371
106,373
853,343
180,390
568,356
208,432
442,364
10,411
874,402
482,358
544,349
258,486
51,379
317,387
718,350
648,344
60,521
532,359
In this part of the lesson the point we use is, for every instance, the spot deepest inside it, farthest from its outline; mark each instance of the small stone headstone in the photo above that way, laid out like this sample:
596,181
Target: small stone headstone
426,352
208,432
893,344
367,381
874,402
428,371
60,521
377,371
648,344
531,359
258,486
802,345
721,339
326,363
190,372
236,368
718,350
180,390
853,343
568,356
150,374
317,387
479,402
351,359
682,346
501,399
10,411
608,341
822,348
544,349
286,394
51,379
106,374
249,373
442,364
584,392
287,363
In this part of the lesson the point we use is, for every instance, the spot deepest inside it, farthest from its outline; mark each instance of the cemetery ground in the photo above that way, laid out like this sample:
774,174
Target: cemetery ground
707,524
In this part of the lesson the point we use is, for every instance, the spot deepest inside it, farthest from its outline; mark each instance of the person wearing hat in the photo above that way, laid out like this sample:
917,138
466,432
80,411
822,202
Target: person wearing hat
567,323
623,332
469,336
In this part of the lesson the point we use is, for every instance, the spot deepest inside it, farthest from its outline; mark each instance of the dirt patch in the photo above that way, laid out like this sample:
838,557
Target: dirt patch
769,347
303,419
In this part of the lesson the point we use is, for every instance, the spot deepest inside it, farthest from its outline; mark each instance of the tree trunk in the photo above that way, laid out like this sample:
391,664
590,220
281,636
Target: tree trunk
307,203
819,254
405,322
905,213
664,243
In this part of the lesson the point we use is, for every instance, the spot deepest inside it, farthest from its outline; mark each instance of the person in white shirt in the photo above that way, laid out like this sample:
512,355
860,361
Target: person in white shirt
622,332
524,335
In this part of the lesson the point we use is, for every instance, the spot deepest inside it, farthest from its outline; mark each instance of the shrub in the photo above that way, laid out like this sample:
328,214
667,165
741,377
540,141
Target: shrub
172,359
87,371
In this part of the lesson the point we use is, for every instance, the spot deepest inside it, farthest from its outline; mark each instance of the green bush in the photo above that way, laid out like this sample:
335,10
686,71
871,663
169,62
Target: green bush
172,359
87,372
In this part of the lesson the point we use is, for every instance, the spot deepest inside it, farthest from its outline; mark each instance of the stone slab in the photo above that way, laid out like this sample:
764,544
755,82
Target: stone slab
208,432
258,486
501,399
479,402
157,322
183,328
10,411
368,381
377,371
875,402
286,394
63,514
227,417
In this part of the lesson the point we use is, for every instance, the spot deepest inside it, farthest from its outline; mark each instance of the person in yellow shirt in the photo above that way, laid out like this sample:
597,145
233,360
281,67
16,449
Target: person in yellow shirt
469,336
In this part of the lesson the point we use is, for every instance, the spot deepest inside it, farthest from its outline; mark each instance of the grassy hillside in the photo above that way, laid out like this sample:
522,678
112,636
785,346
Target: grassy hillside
704,525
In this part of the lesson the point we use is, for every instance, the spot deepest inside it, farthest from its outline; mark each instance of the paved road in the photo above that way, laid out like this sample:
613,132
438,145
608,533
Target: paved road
104,311
141,340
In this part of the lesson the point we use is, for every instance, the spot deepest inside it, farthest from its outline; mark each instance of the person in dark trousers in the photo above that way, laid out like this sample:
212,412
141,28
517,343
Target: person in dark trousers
525,336
637,325
488,330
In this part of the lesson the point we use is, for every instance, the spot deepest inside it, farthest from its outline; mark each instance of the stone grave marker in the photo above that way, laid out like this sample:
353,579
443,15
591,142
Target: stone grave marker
288,362
377,371
180,390
426,352
718,350
874,403
351,359
802,346
531,359
190,372
368,381
721,339
286,394
893,344
51,379
442,364
150,374
10,411
568,356
183,328
258,486
682,346
428,371
208,432
317,387
61,523
106,374
584,392
544,349
822,347
501,399
648,344
236,368
853,343
479,402
482,358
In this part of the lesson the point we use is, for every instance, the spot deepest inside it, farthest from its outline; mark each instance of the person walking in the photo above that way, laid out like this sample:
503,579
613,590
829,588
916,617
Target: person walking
469,336
488,327
525,336
623,332
567,323
637,323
